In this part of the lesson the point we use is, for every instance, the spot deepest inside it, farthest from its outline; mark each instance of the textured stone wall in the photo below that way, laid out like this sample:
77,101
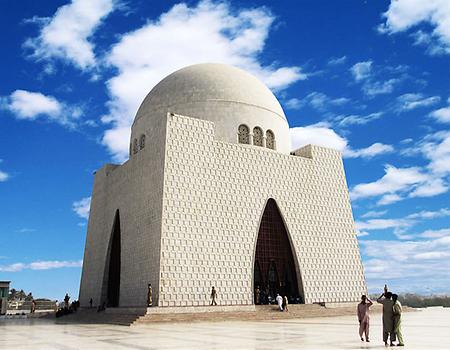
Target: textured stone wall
136,189
214,197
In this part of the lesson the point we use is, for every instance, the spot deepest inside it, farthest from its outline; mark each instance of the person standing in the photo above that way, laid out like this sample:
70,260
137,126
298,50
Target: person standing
33,306
285,303
363,317
66,301
213,296
149,295
279,300
397,310
388,317
257,296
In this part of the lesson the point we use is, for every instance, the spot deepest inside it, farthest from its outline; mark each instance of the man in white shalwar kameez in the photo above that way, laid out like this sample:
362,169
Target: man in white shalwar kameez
279,300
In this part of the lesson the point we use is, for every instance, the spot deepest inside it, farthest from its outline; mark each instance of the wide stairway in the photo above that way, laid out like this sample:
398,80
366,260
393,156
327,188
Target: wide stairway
262,312
126,317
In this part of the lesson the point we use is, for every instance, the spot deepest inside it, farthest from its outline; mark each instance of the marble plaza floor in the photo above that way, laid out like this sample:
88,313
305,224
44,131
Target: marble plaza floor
425,329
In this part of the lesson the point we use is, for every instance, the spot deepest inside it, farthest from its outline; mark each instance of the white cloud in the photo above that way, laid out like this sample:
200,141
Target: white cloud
293,103
406,265
317,135
430,188
364,73
321,135
345,120
82,207
334,61
426,214
369,152
3,176
382,224
394,180
436,148
412,101
403,15
316,100
32,105
374,214
66,35
362,233
361,70
435,233
401,225
40,265
442,115
373,88
208,32
389,199
29,105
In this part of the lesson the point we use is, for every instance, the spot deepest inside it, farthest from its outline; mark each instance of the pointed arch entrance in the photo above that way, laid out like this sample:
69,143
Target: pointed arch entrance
113,265
274,270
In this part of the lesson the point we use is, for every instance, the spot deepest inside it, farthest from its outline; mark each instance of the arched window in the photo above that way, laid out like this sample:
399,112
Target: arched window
135,146
270,139
142,142
244,134
257,136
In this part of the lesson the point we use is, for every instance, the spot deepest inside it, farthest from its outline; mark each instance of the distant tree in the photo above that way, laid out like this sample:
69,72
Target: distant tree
29,297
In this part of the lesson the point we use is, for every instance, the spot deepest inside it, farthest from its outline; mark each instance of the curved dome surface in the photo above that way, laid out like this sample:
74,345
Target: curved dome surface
223,94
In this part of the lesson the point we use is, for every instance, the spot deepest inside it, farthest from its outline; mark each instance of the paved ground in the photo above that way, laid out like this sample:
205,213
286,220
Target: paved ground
427,329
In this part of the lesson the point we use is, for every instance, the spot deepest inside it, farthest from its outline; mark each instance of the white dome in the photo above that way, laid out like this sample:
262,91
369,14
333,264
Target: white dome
225,95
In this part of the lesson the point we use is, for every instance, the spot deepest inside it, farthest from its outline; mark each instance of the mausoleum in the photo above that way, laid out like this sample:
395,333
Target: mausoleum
213,195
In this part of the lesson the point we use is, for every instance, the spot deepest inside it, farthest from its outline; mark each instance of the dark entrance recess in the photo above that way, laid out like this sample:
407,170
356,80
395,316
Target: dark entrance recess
274,270
113,292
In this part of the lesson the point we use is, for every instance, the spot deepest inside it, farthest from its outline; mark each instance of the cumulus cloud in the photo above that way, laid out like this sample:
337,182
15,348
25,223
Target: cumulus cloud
321,135
32,105
318,135
442,115
361,70
66,35
82,207
208,32
40,265
394,180
400,183
404,15
410,101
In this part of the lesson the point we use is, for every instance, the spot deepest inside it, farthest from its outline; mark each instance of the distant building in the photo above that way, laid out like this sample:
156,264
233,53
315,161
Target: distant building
4,292
213,196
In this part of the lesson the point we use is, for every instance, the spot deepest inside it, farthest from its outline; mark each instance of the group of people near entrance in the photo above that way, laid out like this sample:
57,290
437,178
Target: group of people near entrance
392,317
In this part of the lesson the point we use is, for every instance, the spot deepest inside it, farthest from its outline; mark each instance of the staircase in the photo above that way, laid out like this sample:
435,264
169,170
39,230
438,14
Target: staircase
262,312
124,317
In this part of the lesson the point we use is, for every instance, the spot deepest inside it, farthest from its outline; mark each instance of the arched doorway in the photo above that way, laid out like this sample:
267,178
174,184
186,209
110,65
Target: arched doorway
274,270
113,268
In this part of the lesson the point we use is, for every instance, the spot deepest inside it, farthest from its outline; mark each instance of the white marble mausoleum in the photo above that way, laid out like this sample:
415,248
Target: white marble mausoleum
213,195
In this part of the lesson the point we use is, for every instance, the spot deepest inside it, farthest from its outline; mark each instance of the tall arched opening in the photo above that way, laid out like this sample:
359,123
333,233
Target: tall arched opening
113,265
274,270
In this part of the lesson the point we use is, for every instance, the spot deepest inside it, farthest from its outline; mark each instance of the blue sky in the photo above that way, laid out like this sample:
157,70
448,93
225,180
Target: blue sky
370,79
